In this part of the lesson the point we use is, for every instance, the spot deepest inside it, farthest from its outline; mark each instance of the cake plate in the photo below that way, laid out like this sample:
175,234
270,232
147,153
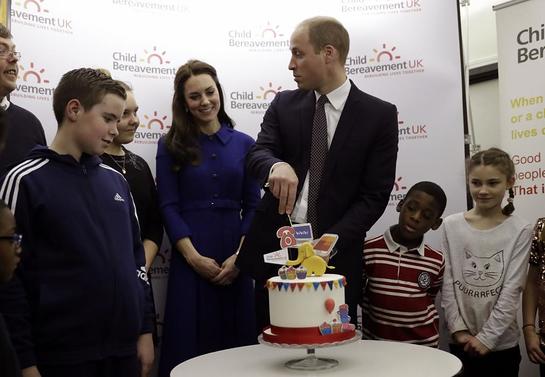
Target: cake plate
311,362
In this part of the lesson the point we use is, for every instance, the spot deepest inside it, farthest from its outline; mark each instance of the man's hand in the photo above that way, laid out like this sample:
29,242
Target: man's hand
146,353
30,372
283,185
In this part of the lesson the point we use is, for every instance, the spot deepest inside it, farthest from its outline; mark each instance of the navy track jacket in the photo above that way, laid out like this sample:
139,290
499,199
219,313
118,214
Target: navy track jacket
83,292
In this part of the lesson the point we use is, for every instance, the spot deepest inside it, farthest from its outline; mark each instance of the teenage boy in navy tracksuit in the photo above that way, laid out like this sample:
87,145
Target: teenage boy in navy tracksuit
82,268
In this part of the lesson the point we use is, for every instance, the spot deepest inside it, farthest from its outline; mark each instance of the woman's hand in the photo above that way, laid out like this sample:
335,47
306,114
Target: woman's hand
461,337
474,347
229,272
533,345
206,267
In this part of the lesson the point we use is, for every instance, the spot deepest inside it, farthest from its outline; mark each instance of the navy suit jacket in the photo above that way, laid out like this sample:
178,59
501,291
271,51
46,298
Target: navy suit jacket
358,176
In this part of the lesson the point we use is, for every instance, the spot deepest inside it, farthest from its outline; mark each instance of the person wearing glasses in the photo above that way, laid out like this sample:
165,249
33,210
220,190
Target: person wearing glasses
10,249
24,130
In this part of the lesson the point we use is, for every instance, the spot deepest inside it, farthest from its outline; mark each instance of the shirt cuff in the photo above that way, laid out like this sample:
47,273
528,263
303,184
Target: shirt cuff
271,170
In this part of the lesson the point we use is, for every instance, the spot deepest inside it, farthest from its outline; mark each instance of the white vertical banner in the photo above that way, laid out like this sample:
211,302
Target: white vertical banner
521,64
404,51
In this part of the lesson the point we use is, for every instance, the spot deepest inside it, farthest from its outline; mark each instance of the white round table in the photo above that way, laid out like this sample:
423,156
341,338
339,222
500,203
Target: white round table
363,358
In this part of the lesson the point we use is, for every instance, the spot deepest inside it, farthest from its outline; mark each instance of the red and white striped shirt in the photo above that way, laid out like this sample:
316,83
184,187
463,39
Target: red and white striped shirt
399,297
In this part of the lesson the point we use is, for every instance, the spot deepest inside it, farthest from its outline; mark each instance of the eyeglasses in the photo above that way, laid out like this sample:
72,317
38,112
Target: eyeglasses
10,53
16,239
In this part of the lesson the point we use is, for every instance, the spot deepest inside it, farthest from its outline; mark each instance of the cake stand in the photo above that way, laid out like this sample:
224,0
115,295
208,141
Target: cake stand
311,362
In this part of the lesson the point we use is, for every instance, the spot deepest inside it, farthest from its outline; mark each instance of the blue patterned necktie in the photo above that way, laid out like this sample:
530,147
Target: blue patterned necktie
318,154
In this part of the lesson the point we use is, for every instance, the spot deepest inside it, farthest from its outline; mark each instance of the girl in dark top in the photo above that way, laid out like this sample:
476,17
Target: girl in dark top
137,172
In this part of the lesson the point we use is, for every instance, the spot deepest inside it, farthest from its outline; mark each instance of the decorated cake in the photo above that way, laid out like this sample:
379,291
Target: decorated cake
306,306
307,309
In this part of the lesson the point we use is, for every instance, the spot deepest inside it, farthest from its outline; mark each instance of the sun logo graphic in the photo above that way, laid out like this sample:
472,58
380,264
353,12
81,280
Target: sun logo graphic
398,186
268,91
163,256
33,4
155,120
159,268
34,73
155,56
397,193
271,32
385,52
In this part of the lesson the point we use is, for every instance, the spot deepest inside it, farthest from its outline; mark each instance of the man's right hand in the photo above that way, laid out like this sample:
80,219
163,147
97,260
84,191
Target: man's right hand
283,185
30,372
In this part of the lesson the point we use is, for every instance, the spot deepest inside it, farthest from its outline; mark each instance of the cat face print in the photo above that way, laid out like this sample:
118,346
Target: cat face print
483,271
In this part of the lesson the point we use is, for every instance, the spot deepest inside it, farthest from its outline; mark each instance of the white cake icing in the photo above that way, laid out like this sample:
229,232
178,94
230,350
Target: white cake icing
304,306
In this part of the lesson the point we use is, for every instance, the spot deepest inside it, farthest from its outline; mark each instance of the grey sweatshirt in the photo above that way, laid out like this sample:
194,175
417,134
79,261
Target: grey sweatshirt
485,272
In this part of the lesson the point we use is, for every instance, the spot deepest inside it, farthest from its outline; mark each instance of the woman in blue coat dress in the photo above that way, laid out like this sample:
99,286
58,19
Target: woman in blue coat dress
207,202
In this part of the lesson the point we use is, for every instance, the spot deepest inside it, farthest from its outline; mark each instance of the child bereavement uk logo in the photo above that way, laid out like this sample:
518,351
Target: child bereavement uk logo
33,82
38,14
255,101
384,61
267,37
153,126
149,63
380,7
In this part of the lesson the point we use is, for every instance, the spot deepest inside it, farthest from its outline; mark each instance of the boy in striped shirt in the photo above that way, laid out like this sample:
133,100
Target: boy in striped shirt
402,275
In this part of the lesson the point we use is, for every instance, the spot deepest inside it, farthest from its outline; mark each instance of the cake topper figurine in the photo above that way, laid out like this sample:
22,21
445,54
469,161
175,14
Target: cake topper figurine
314,264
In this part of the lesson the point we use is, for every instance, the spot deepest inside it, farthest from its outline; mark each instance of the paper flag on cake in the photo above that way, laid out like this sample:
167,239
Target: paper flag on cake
276,257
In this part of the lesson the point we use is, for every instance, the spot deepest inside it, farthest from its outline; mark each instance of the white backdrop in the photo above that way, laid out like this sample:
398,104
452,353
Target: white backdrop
521,58
404,51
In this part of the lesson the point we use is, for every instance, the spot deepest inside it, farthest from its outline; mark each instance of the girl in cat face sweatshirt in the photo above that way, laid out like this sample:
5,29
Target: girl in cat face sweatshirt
486,255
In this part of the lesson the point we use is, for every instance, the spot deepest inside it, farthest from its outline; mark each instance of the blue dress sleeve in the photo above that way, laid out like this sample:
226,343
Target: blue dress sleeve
169,196
251,196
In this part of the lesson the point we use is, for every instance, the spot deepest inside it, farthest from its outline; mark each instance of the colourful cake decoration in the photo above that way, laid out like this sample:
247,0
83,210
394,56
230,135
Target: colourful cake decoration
325,328
290,272
329,305
301,272
335,327
347,327
315,265
343,313
282,272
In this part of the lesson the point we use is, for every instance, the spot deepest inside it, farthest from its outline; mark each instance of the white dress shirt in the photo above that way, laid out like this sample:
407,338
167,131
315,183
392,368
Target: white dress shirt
333,110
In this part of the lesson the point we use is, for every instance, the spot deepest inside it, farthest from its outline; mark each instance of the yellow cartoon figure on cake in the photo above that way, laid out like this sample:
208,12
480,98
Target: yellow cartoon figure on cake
314,264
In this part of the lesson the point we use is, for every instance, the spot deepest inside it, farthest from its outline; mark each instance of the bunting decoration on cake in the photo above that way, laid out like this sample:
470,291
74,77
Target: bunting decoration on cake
292,285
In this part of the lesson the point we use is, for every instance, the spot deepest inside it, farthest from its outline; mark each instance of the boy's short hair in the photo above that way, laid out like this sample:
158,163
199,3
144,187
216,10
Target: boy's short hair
434,190
88,86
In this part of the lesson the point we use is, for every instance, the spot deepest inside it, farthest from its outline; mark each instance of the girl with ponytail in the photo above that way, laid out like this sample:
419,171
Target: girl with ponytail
486,255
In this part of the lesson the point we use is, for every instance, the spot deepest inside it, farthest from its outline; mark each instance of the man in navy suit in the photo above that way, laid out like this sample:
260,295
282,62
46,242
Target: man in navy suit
359,168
